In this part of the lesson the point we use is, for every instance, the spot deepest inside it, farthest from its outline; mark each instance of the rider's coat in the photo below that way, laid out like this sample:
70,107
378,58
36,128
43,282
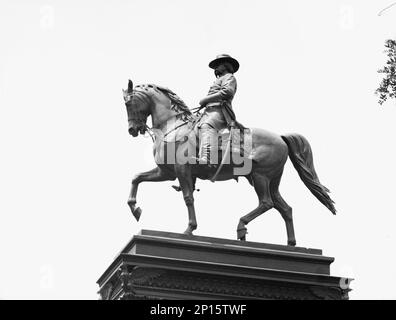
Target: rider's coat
222,92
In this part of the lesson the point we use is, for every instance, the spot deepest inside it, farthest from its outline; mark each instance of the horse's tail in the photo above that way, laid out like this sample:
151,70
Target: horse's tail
300,154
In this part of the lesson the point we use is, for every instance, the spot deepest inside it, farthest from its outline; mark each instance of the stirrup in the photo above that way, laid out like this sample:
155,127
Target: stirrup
199,160
206,162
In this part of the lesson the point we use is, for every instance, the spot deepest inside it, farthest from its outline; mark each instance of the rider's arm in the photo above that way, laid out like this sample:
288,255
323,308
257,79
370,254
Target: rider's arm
226,92
215,97
228,87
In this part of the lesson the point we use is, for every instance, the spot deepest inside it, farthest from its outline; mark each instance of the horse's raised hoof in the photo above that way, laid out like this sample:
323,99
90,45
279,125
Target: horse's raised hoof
137,213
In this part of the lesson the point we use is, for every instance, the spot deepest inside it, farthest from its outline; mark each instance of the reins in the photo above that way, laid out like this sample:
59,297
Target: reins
185,122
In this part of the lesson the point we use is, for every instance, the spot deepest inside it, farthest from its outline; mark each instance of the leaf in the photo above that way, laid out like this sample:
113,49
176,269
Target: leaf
387,88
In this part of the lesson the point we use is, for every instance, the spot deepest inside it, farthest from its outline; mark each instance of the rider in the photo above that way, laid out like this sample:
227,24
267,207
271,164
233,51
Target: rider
218,108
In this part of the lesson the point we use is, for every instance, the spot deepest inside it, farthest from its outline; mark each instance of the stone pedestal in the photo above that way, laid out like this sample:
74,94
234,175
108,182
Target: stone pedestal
164,265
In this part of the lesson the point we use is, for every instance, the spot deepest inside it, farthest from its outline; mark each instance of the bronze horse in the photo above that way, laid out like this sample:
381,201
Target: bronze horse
174,125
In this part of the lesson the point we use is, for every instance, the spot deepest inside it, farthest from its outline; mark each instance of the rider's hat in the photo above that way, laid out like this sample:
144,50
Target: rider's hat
224,58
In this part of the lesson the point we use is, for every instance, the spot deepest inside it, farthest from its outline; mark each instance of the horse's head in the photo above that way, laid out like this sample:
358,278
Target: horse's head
138,109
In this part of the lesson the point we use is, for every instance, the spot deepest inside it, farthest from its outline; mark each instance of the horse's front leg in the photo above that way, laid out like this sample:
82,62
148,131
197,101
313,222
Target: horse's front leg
183,173
155,174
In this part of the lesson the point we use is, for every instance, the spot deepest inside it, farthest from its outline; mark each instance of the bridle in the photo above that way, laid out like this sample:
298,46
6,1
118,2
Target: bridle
139,117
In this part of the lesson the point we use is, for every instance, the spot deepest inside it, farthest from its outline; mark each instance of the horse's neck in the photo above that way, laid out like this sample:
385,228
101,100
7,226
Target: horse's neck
162,115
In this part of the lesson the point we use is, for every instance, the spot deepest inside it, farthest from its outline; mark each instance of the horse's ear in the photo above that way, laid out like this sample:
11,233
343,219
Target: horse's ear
130,86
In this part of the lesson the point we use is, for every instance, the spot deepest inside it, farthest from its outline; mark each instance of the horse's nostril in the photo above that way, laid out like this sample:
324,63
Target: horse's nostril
133,132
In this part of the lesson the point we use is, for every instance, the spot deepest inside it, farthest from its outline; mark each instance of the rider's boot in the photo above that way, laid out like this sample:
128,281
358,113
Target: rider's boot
207,135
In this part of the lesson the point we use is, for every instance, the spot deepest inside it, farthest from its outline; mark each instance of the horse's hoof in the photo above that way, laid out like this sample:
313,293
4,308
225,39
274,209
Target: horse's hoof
241,233
291,243
189,231
137,213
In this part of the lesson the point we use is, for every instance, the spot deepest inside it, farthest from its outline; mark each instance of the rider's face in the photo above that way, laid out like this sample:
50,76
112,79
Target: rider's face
220,70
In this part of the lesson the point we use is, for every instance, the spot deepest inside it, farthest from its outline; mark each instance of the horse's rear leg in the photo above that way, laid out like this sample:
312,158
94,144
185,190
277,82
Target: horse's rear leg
285,210
262,187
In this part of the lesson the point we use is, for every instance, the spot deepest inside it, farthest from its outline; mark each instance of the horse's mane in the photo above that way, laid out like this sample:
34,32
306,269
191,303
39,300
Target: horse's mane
177,104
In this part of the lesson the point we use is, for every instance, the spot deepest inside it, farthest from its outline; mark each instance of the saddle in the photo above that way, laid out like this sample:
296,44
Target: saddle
241,136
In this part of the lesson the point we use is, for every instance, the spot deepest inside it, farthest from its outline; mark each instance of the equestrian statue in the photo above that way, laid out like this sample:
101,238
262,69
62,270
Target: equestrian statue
208,143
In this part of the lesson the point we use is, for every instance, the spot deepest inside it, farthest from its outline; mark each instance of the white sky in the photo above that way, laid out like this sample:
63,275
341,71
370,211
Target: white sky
67,159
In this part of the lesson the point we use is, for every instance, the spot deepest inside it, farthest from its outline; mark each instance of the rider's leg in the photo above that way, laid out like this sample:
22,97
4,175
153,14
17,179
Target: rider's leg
207,134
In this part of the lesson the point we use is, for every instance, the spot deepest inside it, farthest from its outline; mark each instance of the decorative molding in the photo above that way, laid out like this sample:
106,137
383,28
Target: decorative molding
329,293
106,292
152,279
